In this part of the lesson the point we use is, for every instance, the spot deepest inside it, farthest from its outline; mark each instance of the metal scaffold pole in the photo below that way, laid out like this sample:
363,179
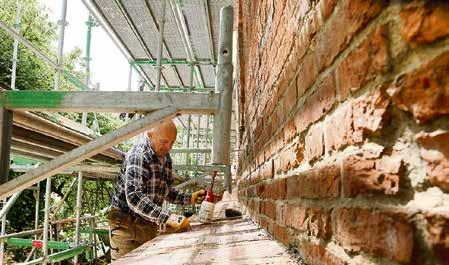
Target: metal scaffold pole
197,162
206,137
37,194
90,23
189,123
15,48
79,196
62,23
161,40
46,220
3,230
223,84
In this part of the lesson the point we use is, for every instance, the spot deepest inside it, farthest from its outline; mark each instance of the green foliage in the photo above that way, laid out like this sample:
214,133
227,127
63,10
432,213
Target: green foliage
32,73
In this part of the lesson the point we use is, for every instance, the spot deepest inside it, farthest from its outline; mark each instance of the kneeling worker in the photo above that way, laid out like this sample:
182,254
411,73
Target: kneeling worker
144,182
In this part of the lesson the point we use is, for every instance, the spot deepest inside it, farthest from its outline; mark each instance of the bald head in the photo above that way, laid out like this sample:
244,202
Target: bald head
162,137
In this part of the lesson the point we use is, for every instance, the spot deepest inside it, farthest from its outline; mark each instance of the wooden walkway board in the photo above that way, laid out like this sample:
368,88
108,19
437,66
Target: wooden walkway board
227,242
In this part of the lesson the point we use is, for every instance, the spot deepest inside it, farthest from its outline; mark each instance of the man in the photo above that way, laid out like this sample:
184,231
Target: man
144,182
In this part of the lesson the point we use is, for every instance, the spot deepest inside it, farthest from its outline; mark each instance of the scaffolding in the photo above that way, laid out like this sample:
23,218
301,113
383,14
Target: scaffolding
204,149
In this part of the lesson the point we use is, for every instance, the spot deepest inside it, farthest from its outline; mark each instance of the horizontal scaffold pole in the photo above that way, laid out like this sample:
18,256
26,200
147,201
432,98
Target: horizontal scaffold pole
83,152
108,101
59,256
171,62
24,242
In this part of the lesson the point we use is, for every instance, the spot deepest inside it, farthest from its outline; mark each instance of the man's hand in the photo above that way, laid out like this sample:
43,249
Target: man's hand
178,222
198,196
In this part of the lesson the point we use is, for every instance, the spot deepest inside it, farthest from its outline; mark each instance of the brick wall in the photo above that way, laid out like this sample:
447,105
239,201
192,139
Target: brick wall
343,109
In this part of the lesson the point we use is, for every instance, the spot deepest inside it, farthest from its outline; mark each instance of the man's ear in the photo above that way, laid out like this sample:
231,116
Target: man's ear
150,134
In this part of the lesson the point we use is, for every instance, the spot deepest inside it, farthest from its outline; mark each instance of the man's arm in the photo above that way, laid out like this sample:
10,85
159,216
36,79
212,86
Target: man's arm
136,198
178,197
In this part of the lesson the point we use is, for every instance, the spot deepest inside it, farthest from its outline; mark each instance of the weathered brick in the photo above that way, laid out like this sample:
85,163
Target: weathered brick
291,156
350,18
290,99
266,171
289,130
315,254
370,112
281,234
322,182
275,190
424,91
317,104
424,22
438,230
339,129
314,145
369,172
375,232
309,220
364,63
435,151
307,74
354,120
269,209
326,7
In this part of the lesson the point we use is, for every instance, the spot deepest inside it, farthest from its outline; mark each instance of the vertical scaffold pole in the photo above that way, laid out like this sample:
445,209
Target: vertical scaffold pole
223,84
79,196
90,23
37,194
3,230
15,48
5,143
62,23
189,124
46,220
198,139
159,51
206,138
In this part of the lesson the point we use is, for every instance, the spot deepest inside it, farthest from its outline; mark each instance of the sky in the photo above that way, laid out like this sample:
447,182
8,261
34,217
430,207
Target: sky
109,66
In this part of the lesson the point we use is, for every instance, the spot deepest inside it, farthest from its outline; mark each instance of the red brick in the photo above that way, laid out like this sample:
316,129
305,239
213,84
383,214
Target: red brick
424,22
424,91
275,190
269,209
317,104
349,19
435,151
281,234
290,99
315,254
308,220
260,189
354,120
438,231
364,63
327,6
314,146
251,192
307,74
374,232
266,171
366,172
289,130
339,129
291,156
322,183
370,112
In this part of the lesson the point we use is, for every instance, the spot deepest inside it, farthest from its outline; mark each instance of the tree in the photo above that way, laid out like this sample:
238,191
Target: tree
32,73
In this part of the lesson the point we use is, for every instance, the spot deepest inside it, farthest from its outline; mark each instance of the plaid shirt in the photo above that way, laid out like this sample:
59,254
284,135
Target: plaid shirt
143,183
